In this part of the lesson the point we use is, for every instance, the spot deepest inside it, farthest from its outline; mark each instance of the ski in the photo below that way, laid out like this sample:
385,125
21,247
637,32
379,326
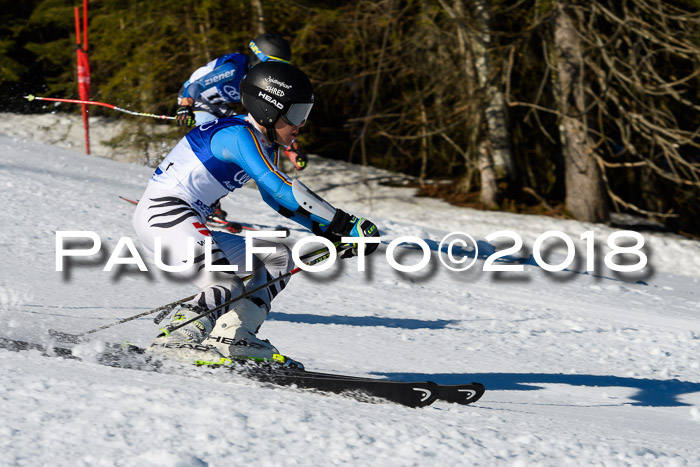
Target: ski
411,394
464,394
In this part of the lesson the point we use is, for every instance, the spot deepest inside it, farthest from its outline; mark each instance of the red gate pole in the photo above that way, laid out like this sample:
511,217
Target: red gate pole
83,69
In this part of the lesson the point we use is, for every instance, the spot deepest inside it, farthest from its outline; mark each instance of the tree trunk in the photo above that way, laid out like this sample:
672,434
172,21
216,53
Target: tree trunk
495,112
585,197
258,17
472,127
489,188
423,145
189,37
494,154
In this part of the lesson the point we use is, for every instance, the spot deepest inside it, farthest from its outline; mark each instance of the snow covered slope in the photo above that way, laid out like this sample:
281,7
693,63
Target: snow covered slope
580,369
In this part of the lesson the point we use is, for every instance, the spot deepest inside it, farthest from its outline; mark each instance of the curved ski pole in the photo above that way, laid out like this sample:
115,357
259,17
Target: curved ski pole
170,328
166,309
31,97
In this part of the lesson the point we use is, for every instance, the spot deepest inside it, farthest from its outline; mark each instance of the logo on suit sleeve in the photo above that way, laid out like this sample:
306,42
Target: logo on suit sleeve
240,179
231,92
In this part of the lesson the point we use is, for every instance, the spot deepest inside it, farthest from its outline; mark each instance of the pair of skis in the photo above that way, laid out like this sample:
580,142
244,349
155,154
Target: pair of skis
408,393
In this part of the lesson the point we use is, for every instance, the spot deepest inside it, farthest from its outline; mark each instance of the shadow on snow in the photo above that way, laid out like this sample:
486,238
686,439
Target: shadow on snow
650,392
373,321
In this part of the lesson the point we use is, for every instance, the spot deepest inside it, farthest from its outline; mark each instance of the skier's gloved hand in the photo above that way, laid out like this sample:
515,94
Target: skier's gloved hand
185,116
302,160
298,157
347,225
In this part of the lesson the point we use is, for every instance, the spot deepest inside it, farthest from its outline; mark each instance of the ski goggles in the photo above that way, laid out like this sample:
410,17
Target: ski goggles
297,113
263,58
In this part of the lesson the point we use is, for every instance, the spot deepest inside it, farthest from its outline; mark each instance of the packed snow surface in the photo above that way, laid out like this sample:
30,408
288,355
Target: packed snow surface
581,368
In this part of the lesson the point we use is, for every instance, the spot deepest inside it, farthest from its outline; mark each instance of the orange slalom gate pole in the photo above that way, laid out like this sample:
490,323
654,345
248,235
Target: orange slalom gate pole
83,70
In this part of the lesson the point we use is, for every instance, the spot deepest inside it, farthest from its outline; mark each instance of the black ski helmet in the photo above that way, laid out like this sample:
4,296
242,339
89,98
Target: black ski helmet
274,90
269,46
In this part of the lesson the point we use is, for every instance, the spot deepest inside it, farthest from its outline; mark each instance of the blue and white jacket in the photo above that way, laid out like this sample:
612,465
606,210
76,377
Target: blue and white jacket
221,156
218,82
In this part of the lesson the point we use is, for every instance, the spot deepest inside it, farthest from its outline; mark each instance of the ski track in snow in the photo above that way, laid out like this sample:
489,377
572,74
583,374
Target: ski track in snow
579,369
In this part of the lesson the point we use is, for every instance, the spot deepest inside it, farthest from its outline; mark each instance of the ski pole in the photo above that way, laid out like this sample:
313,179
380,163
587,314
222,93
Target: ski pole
166,309
31,97
75,338
170,328
233,226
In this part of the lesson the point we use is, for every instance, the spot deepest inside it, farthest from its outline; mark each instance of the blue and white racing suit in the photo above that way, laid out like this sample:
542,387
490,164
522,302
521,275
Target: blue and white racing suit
215,85
210,162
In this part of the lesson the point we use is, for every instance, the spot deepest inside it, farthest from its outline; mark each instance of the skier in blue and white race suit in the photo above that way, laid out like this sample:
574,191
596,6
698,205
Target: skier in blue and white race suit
210,162
206,95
